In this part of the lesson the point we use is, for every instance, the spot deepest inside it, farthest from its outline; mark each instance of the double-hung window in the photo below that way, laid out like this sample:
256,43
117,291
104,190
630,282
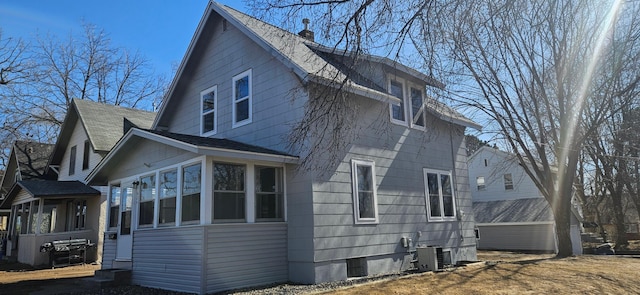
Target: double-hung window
72,160
269,194
508,181
191,183
439,195
114,210
208,105
396,88
480,183
417,107
168,191
147,199
229,193
242,95
85,155
365,203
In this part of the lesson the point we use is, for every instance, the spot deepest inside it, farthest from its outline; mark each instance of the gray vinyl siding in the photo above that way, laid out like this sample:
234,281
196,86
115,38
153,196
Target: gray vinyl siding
399,157
108,252
212,258
533,237
499,163
77,139
225,55
169,258
242,255
156,155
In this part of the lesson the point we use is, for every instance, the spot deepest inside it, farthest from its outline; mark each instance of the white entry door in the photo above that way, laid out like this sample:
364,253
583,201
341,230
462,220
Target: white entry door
125,237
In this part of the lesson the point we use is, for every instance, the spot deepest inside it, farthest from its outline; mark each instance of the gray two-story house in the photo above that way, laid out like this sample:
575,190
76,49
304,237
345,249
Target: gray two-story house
213,197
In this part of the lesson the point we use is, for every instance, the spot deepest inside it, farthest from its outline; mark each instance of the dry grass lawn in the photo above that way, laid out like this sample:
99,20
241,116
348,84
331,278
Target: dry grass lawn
506,273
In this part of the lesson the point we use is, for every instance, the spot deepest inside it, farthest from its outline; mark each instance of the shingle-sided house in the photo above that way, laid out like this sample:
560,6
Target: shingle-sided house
510,212
64,207
212,197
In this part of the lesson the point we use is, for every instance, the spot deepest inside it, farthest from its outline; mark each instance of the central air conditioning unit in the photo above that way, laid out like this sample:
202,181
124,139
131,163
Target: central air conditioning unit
430,258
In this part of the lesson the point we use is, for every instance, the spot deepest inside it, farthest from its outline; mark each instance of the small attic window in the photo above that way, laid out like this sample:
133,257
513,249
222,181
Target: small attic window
224,25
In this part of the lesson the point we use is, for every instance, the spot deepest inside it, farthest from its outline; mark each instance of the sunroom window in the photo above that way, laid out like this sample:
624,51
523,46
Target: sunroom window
168,192
269,194
228,192
147,198
114,210
191,179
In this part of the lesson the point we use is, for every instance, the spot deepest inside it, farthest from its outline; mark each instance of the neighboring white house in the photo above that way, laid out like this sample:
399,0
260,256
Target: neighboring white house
211,197
62,206
510,212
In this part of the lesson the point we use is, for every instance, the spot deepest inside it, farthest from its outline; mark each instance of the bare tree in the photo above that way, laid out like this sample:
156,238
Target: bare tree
533,68
85,66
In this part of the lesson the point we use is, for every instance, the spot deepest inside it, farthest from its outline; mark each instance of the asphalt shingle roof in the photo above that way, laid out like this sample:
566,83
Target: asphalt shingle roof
52,188
217,143
32,158
519,210
105,123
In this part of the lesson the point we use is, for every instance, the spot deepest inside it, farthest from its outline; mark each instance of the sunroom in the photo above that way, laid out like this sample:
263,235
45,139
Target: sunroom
179,205
43,211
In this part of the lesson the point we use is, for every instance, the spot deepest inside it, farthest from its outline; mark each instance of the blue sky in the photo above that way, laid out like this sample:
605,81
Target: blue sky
159,29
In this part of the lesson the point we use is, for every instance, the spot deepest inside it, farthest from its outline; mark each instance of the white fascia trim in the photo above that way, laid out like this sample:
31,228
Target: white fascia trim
516,223
185,58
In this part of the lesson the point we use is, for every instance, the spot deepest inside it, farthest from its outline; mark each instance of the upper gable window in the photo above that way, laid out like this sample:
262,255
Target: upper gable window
396,88
72,160
417,107
411,103
85,155
242,94
208,104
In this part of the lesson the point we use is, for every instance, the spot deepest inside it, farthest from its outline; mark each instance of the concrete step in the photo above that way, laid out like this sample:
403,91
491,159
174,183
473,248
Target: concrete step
109,278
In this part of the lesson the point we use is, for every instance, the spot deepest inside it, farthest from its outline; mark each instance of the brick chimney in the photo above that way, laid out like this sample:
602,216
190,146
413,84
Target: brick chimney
306,33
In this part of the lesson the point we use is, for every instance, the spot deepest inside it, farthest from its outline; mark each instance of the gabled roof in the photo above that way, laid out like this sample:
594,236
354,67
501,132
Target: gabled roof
189,143
307,59
49,189
518,210
32,158
103,123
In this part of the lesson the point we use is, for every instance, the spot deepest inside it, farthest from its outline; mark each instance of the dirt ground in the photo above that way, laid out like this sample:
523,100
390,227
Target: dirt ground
510,273
22,279
498,273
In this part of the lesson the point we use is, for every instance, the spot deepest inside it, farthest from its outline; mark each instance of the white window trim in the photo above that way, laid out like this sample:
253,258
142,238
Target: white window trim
135,206
426,195
484,184
247,73
109,205
504,180
410,106
154,200
404,100
356,200
213,89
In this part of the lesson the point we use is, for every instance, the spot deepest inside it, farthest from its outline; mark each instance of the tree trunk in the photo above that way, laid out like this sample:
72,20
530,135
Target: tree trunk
563,227
618,215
